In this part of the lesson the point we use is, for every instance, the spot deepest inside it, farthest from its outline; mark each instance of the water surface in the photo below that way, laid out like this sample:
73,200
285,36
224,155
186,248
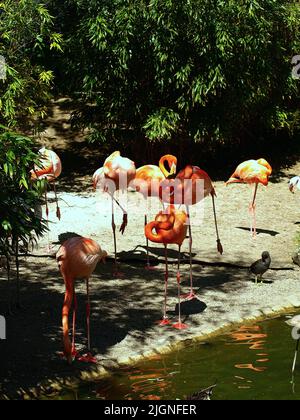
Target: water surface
253,362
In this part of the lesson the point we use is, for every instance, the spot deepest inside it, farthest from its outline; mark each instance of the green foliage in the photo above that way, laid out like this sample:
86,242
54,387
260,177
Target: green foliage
171,68
26,35
19,197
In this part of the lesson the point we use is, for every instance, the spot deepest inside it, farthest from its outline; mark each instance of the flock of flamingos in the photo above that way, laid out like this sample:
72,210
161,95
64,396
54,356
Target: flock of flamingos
78,257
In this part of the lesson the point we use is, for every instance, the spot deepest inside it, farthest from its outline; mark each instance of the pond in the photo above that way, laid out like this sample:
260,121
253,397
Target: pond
253,362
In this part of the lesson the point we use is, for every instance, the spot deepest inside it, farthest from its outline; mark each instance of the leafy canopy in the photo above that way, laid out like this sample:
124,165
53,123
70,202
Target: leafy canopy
194,68
26,36
19,197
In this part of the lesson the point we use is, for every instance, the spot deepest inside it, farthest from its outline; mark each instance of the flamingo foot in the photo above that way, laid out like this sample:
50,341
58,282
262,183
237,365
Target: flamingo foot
150,268
164,322
118,274
180,326
190,296
75,353
124,224
87,358
69,358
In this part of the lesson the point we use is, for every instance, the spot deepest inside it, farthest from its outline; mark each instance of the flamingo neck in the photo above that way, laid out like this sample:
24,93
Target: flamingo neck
162,167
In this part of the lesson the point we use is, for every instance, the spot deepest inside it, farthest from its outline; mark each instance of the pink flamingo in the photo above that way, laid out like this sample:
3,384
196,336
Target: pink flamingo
116,175
169,227
252,172
147,181
77,259
49,168
191,186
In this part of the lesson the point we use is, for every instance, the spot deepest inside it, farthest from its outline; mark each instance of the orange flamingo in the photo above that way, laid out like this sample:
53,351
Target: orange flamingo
252,172
49,168
116,175
191,186
77,259
170,228
148,179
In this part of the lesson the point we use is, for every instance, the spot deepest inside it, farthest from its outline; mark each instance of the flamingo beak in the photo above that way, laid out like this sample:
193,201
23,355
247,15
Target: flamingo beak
173,169
33,175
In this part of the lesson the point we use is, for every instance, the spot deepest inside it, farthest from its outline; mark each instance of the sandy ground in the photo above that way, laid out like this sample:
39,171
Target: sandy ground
125,310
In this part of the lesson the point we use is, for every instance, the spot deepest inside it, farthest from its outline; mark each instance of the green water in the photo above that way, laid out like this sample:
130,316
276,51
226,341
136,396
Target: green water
253,362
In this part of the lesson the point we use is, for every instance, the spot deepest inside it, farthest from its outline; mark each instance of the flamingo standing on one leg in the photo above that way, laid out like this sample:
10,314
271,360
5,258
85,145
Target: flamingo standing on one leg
191,186
170,228
77,259
252,172
116,175
147,181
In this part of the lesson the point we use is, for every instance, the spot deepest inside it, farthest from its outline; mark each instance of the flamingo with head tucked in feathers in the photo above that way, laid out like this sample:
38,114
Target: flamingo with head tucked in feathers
169,227
116,175
147,182
252,172
77,259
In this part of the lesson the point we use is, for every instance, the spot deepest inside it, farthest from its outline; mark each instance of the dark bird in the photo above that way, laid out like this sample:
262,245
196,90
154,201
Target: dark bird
260,267
204,395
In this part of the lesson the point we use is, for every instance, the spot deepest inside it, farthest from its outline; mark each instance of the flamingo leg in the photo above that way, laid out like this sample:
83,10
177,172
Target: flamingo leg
219,244
58,213
18,274
192,295
75,307
125,214
295,357
9,309
88,314
179,325
252,210
113,224
88,358
47,219
147,246
165,320
149,267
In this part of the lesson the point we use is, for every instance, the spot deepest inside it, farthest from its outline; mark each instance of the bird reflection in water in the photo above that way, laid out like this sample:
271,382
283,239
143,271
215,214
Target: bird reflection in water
150,386
255,339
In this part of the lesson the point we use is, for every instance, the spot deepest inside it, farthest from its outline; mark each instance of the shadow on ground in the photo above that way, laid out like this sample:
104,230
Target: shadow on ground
126,309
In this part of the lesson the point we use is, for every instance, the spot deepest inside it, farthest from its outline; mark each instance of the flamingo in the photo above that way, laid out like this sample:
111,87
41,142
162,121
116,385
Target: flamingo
49,168
116,175
170,228
191,186
147,182
252,172
77,258
294,183
295,323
